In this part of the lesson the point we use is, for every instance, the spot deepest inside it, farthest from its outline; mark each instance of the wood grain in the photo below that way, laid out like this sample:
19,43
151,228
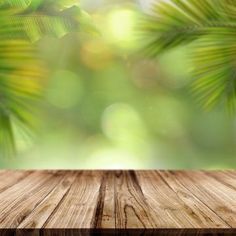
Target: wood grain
200,212
131,209
117,202
217,196
79,205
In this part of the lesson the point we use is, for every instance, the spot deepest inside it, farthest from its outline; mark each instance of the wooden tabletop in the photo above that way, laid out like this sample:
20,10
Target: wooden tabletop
117,202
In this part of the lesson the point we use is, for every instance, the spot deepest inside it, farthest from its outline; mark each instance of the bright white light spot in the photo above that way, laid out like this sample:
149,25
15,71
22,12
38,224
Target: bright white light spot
121,23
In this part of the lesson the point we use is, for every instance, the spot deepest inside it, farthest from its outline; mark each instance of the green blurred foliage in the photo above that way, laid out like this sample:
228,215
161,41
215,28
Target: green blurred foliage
103,105
208,27
22,70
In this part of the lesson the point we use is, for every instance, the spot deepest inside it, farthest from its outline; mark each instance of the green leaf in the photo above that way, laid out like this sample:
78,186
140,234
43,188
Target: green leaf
215,69
22,72
21,75
7,145
209,26
16,3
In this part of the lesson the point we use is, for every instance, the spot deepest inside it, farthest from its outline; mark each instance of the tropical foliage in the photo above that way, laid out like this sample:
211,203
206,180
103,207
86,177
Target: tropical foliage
23,22
209,28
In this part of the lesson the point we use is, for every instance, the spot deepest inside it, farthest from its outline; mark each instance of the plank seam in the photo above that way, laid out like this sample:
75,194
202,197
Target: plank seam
22,221
184,204
17,203
195,197
100,203
220,181
60,202
24,218
16,181
206,204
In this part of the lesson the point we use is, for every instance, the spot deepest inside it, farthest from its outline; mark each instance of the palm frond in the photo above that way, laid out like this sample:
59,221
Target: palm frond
215,69
6,135
33,27
58,4
21,75
22,72
209,26
37,26
15,3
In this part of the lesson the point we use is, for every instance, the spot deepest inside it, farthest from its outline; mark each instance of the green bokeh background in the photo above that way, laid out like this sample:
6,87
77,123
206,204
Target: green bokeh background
106,106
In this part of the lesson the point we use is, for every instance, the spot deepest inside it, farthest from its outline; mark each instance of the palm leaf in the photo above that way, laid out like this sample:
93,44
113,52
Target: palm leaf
21,74
21,4
215,73
209,26
33,25
21,70
6,135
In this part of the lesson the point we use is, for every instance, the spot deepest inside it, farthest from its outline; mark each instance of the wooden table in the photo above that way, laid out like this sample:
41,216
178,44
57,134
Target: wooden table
117,202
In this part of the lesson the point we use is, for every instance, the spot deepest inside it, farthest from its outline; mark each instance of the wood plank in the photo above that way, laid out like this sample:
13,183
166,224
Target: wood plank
226,178
170,211
200,211
24,196
212,193
78,208
117,202
131,208
38,217
11,177
105,214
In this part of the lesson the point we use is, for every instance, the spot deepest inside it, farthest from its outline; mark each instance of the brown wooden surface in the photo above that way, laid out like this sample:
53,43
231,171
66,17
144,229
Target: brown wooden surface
117,202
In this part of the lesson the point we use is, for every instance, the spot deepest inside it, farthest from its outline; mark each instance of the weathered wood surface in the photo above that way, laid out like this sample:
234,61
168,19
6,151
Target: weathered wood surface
117,202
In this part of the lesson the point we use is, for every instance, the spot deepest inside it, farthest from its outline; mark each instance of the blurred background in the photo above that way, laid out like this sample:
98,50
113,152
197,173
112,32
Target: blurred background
106,106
